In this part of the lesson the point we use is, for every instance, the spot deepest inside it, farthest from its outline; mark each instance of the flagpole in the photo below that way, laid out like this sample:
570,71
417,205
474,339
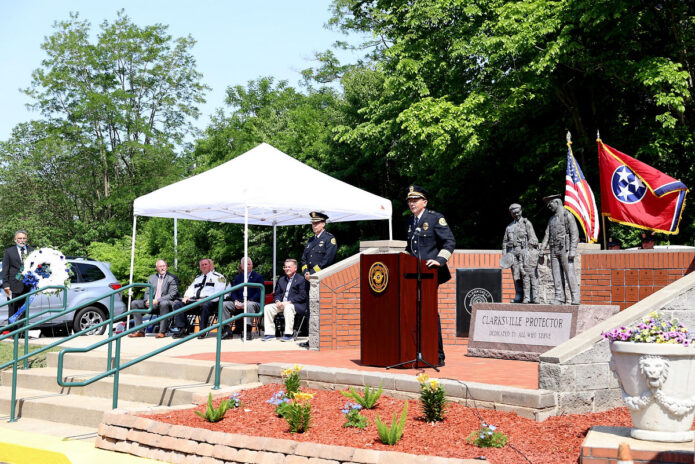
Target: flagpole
603,218
603,224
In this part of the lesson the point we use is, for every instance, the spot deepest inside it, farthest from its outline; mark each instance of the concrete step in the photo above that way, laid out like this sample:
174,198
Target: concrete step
161,391
189,370
83,411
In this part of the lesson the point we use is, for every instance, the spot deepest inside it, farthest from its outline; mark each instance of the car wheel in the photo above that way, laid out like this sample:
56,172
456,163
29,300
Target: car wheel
89,317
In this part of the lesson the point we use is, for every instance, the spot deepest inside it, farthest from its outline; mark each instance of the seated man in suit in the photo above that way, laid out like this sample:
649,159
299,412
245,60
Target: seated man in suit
290,299
234,301
206,284
166,298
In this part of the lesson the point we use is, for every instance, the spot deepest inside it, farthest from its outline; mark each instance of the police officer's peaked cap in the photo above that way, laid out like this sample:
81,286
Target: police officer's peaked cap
415,191
550,198
318,217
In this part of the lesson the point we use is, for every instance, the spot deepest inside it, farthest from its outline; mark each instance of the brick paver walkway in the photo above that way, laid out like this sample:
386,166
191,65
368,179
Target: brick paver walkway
523,374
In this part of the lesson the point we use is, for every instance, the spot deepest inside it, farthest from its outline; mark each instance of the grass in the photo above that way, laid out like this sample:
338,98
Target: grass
36,361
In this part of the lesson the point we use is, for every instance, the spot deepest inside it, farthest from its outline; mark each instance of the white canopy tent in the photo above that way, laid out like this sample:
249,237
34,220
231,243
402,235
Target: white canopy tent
264,186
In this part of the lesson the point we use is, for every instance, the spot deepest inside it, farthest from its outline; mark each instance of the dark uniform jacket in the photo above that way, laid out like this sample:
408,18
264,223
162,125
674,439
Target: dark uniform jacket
297,294
431,238
319,253
11,262
253,293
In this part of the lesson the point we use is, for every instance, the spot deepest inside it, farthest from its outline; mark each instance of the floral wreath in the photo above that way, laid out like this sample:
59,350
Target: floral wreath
45,267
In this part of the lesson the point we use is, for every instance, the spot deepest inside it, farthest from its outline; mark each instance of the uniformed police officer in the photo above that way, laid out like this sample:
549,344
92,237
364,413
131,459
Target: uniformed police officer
207,283
429,239
562,236
320,250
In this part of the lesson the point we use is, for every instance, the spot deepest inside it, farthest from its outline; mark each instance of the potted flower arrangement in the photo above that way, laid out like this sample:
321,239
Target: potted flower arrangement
654,364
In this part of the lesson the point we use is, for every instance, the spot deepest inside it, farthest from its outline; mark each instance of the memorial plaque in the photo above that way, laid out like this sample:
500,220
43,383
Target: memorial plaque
522,327
525,331
475,286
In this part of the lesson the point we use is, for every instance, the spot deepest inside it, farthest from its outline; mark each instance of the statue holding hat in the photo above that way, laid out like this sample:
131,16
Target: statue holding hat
562,237
520,248
320,250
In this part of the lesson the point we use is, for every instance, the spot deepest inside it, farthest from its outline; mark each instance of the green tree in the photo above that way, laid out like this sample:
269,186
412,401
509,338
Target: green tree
477,96
115,111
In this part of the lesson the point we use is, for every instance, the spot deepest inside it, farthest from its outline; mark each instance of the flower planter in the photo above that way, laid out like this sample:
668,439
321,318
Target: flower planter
658,386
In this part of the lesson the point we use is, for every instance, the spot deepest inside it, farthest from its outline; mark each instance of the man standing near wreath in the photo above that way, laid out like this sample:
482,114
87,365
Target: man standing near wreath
11,264
429,239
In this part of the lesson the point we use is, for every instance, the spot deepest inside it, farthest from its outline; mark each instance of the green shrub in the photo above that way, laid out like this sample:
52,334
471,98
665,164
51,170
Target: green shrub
291,377
213,414
390,436
488,437
353,418
368,401
298,412
432,398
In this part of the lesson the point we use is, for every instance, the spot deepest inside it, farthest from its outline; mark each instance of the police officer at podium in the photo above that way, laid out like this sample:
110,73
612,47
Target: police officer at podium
429,239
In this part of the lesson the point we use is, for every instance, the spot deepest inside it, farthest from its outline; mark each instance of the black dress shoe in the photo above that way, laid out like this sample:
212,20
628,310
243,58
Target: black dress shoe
249,336
227,334
179,334
441,363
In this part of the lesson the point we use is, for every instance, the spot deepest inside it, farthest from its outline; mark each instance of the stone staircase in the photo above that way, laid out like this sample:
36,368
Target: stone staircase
158,381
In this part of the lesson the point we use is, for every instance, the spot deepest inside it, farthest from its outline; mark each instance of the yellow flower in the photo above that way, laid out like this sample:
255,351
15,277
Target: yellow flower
303,396
291,370
434,384
423,378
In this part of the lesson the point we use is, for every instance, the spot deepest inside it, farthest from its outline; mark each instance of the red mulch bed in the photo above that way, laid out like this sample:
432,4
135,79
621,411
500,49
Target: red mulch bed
555,441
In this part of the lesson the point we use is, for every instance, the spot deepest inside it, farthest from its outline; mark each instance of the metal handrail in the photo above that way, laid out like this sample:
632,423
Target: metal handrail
26,317
15,333
117,366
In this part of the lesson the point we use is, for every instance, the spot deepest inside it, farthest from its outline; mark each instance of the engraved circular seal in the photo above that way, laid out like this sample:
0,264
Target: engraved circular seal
378,277
476,295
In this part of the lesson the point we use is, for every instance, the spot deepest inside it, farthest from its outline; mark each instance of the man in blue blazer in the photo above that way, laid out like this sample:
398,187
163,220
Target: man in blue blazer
290,299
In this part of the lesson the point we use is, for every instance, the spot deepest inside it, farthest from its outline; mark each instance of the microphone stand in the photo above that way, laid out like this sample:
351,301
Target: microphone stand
418,319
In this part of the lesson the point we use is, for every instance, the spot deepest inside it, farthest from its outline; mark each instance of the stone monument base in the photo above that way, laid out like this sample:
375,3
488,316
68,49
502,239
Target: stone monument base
525,331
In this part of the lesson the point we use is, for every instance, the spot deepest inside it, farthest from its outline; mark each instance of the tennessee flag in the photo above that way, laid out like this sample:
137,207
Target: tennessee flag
579,198
636,194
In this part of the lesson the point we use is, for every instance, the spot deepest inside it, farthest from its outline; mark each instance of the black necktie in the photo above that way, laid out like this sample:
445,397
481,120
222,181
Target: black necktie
24,253
202,285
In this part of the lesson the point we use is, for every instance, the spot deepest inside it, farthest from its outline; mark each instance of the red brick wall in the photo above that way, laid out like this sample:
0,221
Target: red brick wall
625,277
608,277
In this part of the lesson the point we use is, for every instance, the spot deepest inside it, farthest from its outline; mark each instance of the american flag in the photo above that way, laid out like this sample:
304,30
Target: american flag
579,198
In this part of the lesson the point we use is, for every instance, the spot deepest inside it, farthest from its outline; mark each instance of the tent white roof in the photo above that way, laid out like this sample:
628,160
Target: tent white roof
274,187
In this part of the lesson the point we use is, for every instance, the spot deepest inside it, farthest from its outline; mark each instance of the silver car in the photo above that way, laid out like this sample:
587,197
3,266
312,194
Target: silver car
90,279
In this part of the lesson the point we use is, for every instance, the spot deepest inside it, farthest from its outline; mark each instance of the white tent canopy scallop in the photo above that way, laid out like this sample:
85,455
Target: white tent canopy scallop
270,187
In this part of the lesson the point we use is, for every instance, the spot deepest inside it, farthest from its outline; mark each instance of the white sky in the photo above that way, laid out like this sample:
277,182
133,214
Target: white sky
237,41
